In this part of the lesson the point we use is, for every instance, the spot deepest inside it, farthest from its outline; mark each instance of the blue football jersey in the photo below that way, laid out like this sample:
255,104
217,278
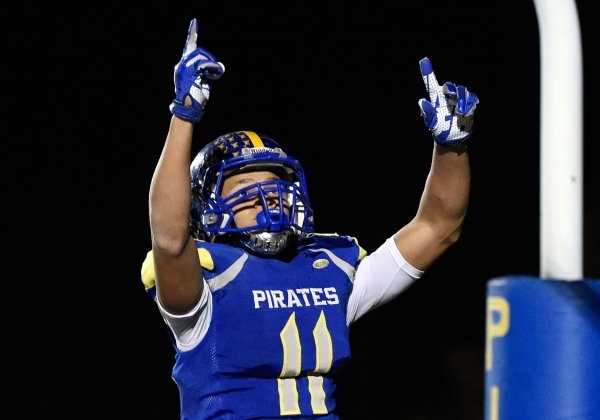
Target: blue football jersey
277,335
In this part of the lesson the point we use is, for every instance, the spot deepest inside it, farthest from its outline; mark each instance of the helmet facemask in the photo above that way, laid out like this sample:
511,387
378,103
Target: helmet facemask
282,203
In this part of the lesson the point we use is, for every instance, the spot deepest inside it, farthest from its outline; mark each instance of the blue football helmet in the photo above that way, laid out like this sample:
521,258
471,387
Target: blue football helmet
212,215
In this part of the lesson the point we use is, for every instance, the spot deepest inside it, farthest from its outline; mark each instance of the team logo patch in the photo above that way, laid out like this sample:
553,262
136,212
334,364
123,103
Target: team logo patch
321,263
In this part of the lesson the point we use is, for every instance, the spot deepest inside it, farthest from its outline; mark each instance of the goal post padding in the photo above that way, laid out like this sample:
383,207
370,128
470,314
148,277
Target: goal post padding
542,356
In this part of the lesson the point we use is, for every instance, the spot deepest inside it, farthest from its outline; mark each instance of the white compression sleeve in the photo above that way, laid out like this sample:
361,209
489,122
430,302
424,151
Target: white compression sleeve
380,277
189,329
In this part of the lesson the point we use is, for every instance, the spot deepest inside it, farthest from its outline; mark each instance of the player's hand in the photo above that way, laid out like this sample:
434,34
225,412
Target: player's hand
194,75
449,112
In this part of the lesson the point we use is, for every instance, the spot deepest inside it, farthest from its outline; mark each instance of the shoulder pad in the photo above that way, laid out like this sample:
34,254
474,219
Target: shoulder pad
361,251
149,277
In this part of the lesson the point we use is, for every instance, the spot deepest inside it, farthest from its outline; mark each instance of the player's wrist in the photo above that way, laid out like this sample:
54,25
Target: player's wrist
181,122
459,143
442,149
186,113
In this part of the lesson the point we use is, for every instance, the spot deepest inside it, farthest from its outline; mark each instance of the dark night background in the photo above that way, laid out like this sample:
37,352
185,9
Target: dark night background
337,84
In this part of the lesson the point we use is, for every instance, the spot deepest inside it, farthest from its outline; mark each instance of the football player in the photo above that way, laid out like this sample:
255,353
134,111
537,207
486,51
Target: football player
258,303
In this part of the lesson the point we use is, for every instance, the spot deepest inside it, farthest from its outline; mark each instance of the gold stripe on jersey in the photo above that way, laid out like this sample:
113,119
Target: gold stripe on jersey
149,276
256,141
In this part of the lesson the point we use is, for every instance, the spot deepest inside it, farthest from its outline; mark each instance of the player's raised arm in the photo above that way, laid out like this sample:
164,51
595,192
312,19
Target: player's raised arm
437,225
178,272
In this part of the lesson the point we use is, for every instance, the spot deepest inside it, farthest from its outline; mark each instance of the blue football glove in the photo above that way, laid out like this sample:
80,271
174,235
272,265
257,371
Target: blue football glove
194,75
449,115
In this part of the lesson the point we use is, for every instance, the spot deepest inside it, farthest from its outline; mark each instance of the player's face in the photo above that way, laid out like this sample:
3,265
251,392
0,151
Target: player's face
245,212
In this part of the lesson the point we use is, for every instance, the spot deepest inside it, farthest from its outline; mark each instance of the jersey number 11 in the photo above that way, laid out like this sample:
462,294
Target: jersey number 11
292,362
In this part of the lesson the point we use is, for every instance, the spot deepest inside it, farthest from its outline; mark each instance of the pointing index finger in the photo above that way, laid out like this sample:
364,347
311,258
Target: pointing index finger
431,83
190,43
